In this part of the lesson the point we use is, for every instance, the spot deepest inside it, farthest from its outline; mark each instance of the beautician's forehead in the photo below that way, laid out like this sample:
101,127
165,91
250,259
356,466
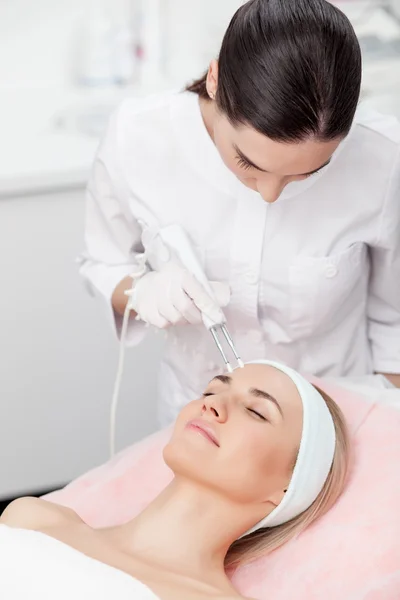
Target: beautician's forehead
270,380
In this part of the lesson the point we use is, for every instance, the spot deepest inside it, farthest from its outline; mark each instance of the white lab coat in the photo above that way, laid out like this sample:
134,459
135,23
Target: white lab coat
315,277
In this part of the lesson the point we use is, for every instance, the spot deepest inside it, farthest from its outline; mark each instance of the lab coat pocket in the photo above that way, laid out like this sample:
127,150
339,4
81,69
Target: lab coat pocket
324,289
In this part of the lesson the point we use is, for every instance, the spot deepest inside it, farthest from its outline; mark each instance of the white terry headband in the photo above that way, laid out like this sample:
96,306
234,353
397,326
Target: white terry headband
315,457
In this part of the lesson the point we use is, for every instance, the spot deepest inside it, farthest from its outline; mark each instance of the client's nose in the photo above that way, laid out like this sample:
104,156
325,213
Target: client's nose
215,407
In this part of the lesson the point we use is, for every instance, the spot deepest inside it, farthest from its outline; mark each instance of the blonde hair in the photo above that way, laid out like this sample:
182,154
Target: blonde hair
265,541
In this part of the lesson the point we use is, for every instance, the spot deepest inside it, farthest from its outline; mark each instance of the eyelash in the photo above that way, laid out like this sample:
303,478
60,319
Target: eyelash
246,166
243,163
312,174
251,410
257,414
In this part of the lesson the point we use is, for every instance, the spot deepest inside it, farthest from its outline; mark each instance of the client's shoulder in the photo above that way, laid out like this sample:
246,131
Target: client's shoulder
34,513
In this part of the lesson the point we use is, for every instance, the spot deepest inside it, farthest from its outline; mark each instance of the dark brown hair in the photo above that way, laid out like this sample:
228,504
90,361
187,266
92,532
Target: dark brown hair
290,69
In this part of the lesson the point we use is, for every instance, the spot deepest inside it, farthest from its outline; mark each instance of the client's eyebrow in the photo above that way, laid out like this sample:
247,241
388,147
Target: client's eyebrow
223,378
253,391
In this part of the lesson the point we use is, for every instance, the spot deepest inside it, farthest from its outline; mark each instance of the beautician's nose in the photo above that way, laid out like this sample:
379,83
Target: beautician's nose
270,190
215,408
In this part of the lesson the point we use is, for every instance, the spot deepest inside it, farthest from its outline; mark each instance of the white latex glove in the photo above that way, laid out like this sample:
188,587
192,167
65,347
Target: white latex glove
174,296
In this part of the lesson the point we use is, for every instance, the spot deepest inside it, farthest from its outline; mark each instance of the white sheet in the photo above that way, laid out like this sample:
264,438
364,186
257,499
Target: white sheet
38,567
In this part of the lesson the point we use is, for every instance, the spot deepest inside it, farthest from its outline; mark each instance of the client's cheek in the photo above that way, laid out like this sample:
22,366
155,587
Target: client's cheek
268,461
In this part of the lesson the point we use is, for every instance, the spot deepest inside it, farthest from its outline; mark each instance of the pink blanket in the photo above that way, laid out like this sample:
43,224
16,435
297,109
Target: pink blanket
353,553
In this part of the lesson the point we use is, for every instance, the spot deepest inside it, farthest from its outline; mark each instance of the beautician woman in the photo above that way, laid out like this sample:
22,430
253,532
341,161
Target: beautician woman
289,194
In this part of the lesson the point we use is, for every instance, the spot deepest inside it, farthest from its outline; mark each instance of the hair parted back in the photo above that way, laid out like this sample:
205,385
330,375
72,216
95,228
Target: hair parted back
289,69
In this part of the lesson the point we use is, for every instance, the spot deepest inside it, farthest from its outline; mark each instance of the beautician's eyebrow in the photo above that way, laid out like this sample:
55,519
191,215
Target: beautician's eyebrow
253,391
251,164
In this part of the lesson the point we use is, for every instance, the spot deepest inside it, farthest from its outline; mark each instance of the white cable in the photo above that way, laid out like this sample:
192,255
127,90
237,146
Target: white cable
118,379
141,270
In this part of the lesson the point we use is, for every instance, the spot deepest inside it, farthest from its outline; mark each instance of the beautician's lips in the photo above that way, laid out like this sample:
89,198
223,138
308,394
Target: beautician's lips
204,429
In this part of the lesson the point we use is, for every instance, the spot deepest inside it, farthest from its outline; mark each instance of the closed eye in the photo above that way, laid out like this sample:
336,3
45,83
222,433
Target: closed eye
260,416
250,410
311,174
243,164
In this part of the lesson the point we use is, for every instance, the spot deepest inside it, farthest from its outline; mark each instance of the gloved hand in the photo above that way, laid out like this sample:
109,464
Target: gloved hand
173,296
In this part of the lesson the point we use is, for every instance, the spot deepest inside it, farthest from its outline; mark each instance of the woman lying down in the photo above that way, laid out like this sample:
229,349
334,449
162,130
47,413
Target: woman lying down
260,456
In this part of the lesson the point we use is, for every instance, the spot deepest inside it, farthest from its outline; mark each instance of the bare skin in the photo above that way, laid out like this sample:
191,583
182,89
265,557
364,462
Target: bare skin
394,379
119,299
223,485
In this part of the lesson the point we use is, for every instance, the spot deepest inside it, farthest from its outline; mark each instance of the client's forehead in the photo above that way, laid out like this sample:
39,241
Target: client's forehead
270,380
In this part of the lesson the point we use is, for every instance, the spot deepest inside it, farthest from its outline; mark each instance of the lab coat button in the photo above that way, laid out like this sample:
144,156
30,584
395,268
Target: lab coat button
251,277
331,271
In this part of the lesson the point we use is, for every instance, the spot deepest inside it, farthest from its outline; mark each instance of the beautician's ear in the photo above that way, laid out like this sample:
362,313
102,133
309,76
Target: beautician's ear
212,79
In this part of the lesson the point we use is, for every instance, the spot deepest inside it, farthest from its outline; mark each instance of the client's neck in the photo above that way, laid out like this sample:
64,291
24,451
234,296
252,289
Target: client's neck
187,529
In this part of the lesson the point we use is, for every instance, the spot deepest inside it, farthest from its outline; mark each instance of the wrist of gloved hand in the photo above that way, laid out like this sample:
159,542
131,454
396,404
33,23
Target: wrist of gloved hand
173,296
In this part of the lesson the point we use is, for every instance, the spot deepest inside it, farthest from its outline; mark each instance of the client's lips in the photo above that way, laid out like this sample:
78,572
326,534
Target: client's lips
204,429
